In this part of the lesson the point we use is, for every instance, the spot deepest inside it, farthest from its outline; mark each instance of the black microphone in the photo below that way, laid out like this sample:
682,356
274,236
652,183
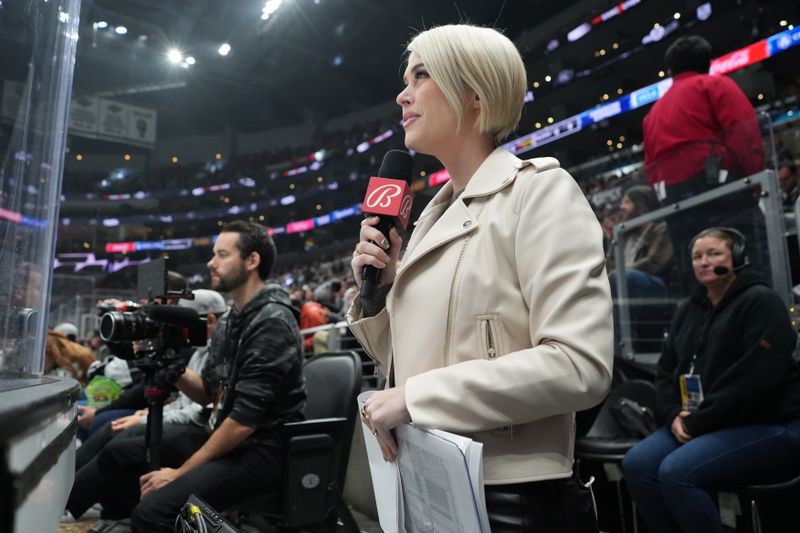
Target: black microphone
388,196
722,270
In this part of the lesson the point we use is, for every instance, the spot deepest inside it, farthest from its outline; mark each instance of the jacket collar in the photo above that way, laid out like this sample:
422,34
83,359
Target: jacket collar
496,172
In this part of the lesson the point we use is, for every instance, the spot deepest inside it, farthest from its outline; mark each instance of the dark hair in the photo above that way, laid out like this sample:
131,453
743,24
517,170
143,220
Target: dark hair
254,238
690,53
790,165
643,197
735,239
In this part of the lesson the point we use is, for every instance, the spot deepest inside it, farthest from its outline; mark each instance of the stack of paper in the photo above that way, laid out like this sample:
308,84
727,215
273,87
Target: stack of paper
436,484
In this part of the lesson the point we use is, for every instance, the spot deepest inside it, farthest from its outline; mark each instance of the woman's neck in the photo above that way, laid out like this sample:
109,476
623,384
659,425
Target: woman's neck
464,159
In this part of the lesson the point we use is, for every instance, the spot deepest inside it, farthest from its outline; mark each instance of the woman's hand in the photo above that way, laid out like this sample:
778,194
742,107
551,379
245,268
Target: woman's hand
678,428
384,411
380,253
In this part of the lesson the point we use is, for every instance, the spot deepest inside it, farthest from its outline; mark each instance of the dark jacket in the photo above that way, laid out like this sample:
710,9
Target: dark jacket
744,350
256,356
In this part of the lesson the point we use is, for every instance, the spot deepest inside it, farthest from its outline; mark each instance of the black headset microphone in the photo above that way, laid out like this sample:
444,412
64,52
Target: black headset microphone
397,166
722,270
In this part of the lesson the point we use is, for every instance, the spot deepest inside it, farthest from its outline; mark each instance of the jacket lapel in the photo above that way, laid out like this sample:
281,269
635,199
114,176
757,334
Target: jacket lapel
439,224
457,220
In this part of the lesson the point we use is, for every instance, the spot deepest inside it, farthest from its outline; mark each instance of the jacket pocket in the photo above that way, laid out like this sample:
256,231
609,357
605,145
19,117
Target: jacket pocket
488,336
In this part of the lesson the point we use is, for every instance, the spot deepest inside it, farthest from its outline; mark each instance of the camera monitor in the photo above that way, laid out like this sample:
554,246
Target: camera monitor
152,280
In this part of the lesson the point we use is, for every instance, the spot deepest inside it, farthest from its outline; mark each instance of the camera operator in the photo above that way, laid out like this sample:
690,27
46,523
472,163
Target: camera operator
254,379
209,305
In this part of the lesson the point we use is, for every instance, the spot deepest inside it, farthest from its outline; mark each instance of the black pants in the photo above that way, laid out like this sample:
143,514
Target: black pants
92,446
112,478
558,505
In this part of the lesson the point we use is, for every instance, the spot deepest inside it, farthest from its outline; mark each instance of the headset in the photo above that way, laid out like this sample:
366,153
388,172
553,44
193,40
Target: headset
738,249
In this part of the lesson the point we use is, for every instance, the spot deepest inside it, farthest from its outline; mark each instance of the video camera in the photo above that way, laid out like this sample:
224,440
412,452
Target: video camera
163,327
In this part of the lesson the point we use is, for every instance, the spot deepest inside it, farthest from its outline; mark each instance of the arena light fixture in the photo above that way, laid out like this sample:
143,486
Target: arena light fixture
174,56
224,49
270,7
190,60
101,24
121,30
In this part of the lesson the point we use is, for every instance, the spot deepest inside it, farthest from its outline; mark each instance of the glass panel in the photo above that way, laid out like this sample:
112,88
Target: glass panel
718,181
38,52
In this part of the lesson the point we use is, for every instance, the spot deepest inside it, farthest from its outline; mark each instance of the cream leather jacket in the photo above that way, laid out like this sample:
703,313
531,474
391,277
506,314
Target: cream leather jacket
499,321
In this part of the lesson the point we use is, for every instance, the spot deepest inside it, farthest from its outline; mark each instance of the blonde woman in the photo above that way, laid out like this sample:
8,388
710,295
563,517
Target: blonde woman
498,323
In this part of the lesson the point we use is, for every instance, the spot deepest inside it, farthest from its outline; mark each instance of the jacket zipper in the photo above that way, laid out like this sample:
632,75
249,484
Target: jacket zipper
450,302
491,350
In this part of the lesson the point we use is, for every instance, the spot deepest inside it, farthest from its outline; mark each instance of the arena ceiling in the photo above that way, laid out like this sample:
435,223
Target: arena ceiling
311,60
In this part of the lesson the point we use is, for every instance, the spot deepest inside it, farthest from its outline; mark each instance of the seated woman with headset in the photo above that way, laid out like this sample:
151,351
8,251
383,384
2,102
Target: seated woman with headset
728,394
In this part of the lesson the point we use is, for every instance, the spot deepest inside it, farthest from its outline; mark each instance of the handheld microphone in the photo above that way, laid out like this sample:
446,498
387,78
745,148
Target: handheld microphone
389,196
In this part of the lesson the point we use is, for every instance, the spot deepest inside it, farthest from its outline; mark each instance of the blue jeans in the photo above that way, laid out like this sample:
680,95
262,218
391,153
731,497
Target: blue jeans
102,419
674,485
641,286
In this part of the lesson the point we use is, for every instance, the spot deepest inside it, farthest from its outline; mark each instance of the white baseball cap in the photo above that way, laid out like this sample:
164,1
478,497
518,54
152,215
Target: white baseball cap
205,302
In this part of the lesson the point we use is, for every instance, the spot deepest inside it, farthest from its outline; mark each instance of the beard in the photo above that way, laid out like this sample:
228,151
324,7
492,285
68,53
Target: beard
232,281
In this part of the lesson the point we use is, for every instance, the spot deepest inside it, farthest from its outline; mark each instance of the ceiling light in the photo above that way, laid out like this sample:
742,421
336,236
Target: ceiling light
224,49
101,24
174,55
121,30
661,73
190,60
676,16
547,78
783,23
270,7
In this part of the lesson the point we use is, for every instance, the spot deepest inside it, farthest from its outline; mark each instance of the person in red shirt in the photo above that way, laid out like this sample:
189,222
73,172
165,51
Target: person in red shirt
702,133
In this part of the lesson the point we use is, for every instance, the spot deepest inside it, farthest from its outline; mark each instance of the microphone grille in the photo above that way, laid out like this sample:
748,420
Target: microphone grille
397,164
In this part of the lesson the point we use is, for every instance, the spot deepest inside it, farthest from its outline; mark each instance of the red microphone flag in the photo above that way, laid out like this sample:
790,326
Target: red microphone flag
389,197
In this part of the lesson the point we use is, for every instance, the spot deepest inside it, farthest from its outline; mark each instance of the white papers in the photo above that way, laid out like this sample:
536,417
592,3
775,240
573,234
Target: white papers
436,484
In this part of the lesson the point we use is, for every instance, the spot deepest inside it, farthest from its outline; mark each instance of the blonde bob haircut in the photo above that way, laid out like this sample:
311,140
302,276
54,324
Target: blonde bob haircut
458,56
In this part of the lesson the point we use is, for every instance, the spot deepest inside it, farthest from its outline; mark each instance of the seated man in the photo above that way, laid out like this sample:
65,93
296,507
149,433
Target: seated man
648,254
254,378
209,305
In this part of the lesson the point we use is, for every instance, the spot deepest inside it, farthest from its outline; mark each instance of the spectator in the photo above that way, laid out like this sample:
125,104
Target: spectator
65,357
68,330
312,314
648,253
731,346
787,175
701,133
